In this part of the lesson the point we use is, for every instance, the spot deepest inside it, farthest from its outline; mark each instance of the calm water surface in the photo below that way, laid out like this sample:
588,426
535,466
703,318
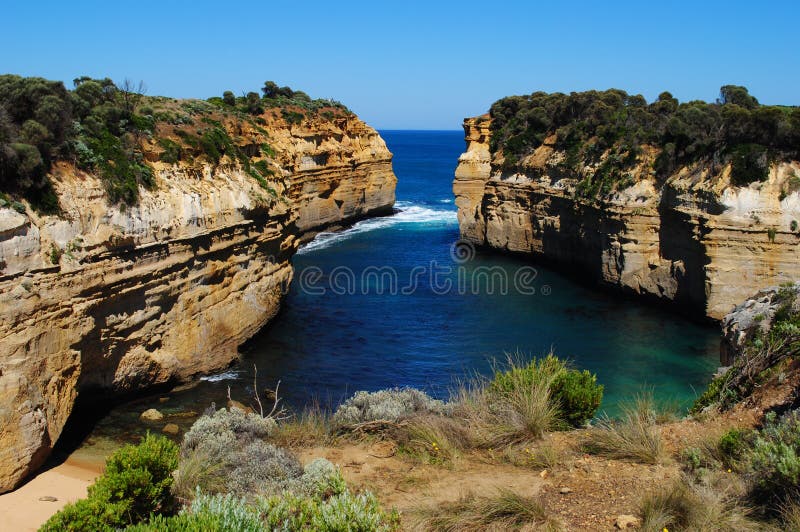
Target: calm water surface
341,330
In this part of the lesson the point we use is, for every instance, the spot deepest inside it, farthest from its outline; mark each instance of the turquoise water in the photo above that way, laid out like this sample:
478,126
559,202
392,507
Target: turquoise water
341,330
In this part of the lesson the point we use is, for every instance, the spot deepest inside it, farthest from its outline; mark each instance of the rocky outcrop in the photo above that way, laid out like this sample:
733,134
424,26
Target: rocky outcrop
692,239
109,300
754,316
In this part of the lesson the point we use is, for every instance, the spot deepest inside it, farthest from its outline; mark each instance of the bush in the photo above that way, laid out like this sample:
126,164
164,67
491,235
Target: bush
749,162
774,461
574,393
226,452
135,484
341,512
732,445
386,405
578,396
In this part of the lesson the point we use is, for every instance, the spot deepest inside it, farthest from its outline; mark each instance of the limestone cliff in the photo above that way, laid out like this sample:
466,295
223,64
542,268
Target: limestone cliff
109,299
690,238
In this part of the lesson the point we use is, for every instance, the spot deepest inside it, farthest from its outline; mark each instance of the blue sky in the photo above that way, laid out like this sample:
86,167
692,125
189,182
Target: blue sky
410,64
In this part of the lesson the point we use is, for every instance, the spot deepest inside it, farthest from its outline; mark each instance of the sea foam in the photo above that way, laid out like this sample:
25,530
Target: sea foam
407,213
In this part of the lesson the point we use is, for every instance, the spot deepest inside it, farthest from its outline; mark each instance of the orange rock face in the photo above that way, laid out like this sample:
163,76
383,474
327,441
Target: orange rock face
112,300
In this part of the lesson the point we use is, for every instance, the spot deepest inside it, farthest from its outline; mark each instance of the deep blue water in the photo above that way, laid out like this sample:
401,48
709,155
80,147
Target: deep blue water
340,331
328,345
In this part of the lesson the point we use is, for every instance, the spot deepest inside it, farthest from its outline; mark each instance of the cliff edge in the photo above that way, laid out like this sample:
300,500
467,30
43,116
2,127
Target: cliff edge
635,214
108,296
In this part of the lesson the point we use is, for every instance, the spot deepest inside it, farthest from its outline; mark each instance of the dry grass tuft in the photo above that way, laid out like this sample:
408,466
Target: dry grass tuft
309,428
713,505
790,517
635,436
520,410
434,439
199,469
506,510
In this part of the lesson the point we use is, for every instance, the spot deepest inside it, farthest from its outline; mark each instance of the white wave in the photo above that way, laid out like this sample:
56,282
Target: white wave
447,200
225,376
407,213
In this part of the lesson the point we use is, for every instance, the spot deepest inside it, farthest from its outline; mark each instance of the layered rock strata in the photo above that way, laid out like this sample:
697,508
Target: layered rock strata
110,300
691,239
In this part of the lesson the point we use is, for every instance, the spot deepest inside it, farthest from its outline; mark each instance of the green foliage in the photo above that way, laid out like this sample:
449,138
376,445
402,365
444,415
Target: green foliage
737,95
172,151
95,125
228,98
275,96
338,513
749,163
771,234
733,444
715,392
135,484
574,393
774,461
606,129
292,117
578,396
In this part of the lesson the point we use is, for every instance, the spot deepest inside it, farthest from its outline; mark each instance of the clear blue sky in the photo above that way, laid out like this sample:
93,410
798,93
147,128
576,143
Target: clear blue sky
410,64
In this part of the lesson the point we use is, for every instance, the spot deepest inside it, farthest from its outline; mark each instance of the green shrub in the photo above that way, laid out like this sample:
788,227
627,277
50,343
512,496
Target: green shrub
135,484
515,405
733,444
288,512
774,461
578,396
172,151
575,393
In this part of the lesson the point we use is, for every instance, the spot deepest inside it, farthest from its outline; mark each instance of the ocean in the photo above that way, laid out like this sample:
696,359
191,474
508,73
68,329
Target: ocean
398,301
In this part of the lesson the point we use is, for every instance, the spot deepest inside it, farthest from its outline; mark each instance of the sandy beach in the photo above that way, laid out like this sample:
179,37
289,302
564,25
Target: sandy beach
29,506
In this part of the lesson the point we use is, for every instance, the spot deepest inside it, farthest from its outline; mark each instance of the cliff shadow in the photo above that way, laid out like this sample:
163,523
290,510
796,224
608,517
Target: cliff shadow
681,241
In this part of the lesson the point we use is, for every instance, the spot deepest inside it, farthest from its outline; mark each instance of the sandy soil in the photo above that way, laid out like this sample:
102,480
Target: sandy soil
29,506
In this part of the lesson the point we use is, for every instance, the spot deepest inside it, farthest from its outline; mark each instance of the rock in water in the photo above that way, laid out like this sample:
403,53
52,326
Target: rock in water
171,428
151,415
240,406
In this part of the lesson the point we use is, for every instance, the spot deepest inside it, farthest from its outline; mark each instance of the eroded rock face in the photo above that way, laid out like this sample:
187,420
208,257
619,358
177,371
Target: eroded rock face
756,314
693,240
102,299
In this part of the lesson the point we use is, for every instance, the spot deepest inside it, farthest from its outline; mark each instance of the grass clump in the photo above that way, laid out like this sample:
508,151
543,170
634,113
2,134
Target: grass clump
506,510
136,483
434,439
635,436
311,427
697,507
522,401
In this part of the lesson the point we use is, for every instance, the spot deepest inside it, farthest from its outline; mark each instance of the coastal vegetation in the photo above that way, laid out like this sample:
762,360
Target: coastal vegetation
604,134
110,128
239,469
